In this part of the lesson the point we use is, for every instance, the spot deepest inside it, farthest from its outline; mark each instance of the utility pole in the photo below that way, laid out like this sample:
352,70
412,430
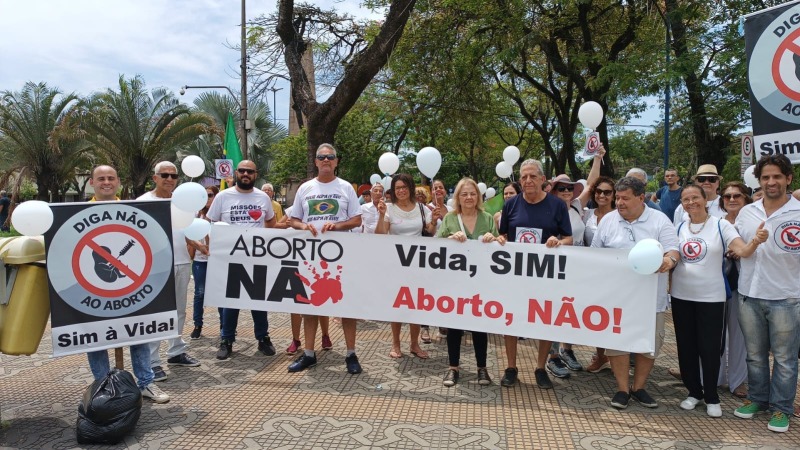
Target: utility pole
243,112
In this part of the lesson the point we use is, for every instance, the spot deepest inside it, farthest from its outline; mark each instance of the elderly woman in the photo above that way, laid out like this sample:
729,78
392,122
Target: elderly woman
467,221
405,217
699,293
733,366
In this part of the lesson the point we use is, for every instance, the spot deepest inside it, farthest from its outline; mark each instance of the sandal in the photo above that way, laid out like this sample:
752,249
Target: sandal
395,354
425,336
741,391
421,354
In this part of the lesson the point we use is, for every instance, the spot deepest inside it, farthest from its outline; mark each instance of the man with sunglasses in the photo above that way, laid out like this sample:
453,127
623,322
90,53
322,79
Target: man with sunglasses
322,204
769,300
708,179
243,206
622,228
165,177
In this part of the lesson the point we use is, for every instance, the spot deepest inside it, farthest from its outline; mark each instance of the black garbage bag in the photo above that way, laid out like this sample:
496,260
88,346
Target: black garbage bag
110,409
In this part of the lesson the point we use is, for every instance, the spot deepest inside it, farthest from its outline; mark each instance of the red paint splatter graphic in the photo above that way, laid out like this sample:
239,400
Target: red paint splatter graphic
323,287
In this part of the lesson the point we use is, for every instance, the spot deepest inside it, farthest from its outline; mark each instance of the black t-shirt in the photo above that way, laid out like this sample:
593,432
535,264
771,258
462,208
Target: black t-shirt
535,222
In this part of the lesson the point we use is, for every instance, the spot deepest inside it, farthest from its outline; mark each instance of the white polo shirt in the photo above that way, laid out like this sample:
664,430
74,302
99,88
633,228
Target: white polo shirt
773,272
616,232
713,208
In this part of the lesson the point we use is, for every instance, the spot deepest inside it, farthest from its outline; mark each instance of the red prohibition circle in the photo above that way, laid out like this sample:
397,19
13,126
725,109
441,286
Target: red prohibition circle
225,168
748,146
528,237
788,45
87,241
788,235
690,245
593,144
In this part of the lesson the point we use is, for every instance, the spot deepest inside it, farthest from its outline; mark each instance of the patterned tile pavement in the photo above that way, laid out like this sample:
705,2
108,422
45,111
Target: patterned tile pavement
250,401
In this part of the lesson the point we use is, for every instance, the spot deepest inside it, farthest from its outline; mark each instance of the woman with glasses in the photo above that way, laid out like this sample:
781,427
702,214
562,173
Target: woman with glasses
467,221
733,365
602,194
405,217
198,250
699,291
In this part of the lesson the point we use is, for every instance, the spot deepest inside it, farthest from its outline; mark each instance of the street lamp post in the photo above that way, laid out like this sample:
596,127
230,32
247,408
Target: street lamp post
274,90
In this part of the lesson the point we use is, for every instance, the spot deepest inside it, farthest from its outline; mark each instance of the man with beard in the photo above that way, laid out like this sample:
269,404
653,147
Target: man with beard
243,206
323,204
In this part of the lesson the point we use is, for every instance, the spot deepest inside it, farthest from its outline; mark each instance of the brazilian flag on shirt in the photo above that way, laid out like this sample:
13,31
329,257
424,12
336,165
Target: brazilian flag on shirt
323,207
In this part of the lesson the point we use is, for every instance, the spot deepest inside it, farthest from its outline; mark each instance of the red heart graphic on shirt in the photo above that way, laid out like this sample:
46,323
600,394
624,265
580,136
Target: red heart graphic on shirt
255,213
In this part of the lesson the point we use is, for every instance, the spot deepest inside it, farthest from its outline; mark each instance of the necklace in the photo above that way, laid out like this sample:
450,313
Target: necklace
701,226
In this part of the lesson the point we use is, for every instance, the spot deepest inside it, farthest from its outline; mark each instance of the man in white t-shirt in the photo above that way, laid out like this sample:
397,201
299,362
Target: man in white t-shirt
165,178
769,301
369,211
243,206
708,179
323,204
631,222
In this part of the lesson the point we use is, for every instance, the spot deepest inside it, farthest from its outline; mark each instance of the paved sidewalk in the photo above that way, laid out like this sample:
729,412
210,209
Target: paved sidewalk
251,401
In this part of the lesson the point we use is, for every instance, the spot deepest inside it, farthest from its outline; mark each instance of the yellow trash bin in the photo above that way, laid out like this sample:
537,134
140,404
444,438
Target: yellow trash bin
24,296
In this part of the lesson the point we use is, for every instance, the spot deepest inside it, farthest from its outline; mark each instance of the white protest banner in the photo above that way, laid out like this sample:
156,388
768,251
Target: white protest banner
109,268
567,294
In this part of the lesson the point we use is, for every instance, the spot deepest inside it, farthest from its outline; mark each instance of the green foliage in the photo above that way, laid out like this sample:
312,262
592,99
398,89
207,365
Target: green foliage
27,191
289,159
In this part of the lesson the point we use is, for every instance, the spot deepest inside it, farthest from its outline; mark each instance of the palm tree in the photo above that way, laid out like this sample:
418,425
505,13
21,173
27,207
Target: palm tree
137,129
259,139
39,136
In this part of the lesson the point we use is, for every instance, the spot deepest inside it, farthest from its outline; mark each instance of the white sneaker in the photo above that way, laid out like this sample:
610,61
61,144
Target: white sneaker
690,403
155,393
714,410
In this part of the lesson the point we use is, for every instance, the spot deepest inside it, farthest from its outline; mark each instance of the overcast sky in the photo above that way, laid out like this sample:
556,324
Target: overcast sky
83,46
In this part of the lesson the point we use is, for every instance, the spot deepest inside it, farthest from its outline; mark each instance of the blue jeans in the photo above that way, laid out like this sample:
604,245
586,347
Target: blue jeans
771,325
199,269
140,359
230,319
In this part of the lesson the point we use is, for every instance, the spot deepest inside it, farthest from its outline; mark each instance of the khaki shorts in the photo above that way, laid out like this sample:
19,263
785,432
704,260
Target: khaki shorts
659,340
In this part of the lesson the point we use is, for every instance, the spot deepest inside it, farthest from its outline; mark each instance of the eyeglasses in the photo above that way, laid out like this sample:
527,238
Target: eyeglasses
565,188
732,196
400,188
604,192
704,179
324,157
163,175
468,194
246,171
630,234
211,195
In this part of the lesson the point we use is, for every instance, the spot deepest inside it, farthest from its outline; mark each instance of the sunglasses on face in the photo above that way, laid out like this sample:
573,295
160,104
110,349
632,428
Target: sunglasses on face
163,175
704,179
246,171
324,157
565,188
732,196
210,195
605,192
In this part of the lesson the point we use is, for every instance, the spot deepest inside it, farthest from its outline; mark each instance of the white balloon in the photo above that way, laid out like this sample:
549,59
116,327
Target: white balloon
429,161
180,218
32,218
386,182
646,256
511,155
590,114
490,193
222,223
584,183
450,203
503,169
388,163
482,187
190,197
374,178
193,166
750,178
197,230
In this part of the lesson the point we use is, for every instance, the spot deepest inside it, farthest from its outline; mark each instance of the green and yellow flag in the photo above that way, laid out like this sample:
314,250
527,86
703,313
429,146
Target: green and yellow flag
230,146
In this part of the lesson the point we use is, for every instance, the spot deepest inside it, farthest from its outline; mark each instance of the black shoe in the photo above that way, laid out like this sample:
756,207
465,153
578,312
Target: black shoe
196,333
265,346
620,400
542,379
353,366
450,378
159,374
303,362
644,398
225,349
509,377
183,360
483,377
